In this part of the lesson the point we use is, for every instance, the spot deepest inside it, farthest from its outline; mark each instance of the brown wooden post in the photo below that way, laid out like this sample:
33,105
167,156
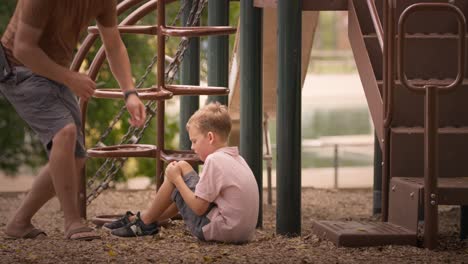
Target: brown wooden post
431,168
161,82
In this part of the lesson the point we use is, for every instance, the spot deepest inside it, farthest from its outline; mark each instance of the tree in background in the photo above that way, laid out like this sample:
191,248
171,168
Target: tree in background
20,147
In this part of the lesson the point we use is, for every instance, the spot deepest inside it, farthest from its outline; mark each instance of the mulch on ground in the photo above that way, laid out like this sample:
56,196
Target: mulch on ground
174,245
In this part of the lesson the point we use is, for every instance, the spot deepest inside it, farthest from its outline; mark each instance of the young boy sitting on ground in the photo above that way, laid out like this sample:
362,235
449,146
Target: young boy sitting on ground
219,205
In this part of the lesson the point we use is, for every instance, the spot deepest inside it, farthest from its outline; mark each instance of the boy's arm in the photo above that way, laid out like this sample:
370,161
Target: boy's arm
197,204
174,174
120,65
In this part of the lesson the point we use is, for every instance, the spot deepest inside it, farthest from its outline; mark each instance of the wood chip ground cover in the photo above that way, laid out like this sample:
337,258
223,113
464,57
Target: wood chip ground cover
174,245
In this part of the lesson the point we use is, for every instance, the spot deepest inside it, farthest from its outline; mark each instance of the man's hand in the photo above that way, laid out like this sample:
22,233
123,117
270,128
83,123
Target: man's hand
173,172
137,111
81,85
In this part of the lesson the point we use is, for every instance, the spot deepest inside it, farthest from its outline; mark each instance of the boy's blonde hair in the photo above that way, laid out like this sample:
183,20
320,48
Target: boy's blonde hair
212,117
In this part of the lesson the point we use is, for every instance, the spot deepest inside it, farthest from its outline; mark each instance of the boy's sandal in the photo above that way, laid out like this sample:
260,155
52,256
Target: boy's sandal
90,235
33,234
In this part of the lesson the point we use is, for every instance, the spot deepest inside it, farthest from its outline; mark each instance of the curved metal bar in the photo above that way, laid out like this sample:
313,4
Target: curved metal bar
376,21
198,31
461,44
196,90
91,38
145,94
147,30
124,151
100,55
130,20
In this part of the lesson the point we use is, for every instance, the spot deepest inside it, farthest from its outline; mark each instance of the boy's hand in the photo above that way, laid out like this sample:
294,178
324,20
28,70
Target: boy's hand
173,172
137,111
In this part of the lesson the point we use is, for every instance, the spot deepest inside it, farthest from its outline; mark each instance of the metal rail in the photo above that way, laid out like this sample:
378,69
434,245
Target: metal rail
431,119
376,21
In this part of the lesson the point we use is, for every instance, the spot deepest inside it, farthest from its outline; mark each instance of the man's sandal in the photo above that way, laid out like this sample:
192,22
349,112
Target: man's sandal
79,230
33,234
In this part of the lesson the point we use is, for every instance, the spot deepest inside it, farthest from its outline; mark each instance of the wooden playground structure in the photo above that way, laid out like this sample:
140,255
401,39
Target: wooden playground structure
410,56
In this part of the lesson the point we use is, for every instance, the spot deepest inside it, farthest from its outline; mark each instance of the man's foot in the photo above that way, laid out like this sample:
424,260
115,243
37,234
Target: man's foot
31,234
81,232
121,222
136,228
16,230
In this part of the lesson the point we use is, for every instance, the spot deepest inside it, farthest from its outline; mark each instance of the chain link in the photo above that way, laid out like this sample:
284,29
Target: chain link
134,135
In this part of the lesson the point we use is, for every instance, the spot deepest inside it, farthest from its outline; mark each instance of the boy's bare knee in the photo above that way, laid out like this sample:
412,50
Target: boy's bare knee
185,167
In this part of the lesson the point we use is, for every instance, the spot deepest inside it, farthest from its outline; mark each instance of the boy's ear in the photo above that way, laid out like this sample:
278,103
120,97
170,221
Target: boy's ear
211,136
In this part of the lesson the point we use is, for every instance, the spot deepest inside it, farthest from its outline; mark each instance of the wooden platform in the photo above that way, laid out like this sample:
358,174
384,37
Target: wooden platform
363,234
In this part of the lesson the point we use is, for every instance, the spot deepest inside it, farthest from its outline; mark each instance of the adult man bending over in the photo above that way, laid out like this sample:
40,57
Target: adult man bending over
39,43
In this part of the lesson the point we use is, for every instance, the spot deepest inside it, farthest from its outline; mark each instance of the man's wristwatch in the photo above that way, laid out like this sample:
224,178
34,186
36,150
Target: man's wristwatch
128,93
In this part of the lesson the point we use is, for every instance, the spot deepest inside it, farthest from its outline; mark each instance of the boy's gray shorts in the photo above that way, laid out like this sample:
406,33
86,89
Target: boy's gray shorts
194,222
45,105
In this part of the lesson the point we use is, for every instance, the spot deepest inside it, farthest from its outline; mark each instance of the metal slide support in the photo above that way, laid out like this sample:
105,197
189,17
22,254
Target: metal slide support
377,207
288,180
190,75
251,110
218,49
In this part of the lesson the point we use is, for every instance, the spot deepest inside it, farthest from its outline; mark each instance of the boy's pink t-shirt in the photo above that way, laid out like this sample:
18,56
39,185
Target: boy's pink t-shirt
228,181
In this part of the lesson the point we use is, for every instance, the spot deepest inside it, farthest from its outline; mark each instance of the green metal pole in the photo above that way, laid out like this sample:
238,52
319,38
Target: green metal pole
251,108
190,75
377,208
288,179
218,49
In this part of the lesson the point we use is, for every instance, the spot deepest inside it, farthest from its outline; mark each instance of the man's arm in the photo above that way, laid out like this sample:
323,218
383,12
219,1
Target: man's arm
27,51
120,65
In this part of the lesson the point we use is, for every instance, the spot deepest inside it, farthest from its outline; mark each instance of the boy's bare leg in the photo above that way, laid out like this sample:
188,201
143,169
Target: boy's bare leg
41,191
170,212
162,207
160,203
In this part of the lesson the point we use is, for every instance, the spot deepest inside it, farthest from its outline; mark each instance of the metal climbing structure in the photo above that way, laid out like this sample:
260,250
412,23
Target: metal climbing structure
115,156
411,57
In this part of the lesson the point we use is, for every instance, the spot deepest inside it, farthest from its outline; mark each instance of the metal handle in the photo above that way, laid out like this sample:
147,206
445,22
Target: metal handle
461,44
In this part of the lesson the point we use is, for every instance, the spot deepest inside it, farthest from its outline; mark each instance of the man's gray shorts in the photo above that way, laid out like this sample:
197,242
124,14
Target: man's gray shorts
45,105
194,222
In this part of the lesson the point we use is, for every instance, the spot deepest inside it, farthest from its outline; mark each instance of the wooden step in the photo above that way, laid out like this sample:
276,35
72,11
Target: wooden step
124,151
452,191
407,151
427,56
423,22
363,234
409,107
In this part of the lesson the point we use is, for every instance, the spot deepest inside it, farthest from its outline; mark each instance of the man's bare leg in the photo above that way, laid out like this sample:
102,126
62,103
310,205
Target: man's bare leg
41,192
64,176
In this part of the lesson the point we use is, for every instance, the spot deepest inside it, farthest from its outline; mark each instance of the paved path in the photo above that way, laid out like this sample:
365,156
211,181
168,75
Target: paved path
348,177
